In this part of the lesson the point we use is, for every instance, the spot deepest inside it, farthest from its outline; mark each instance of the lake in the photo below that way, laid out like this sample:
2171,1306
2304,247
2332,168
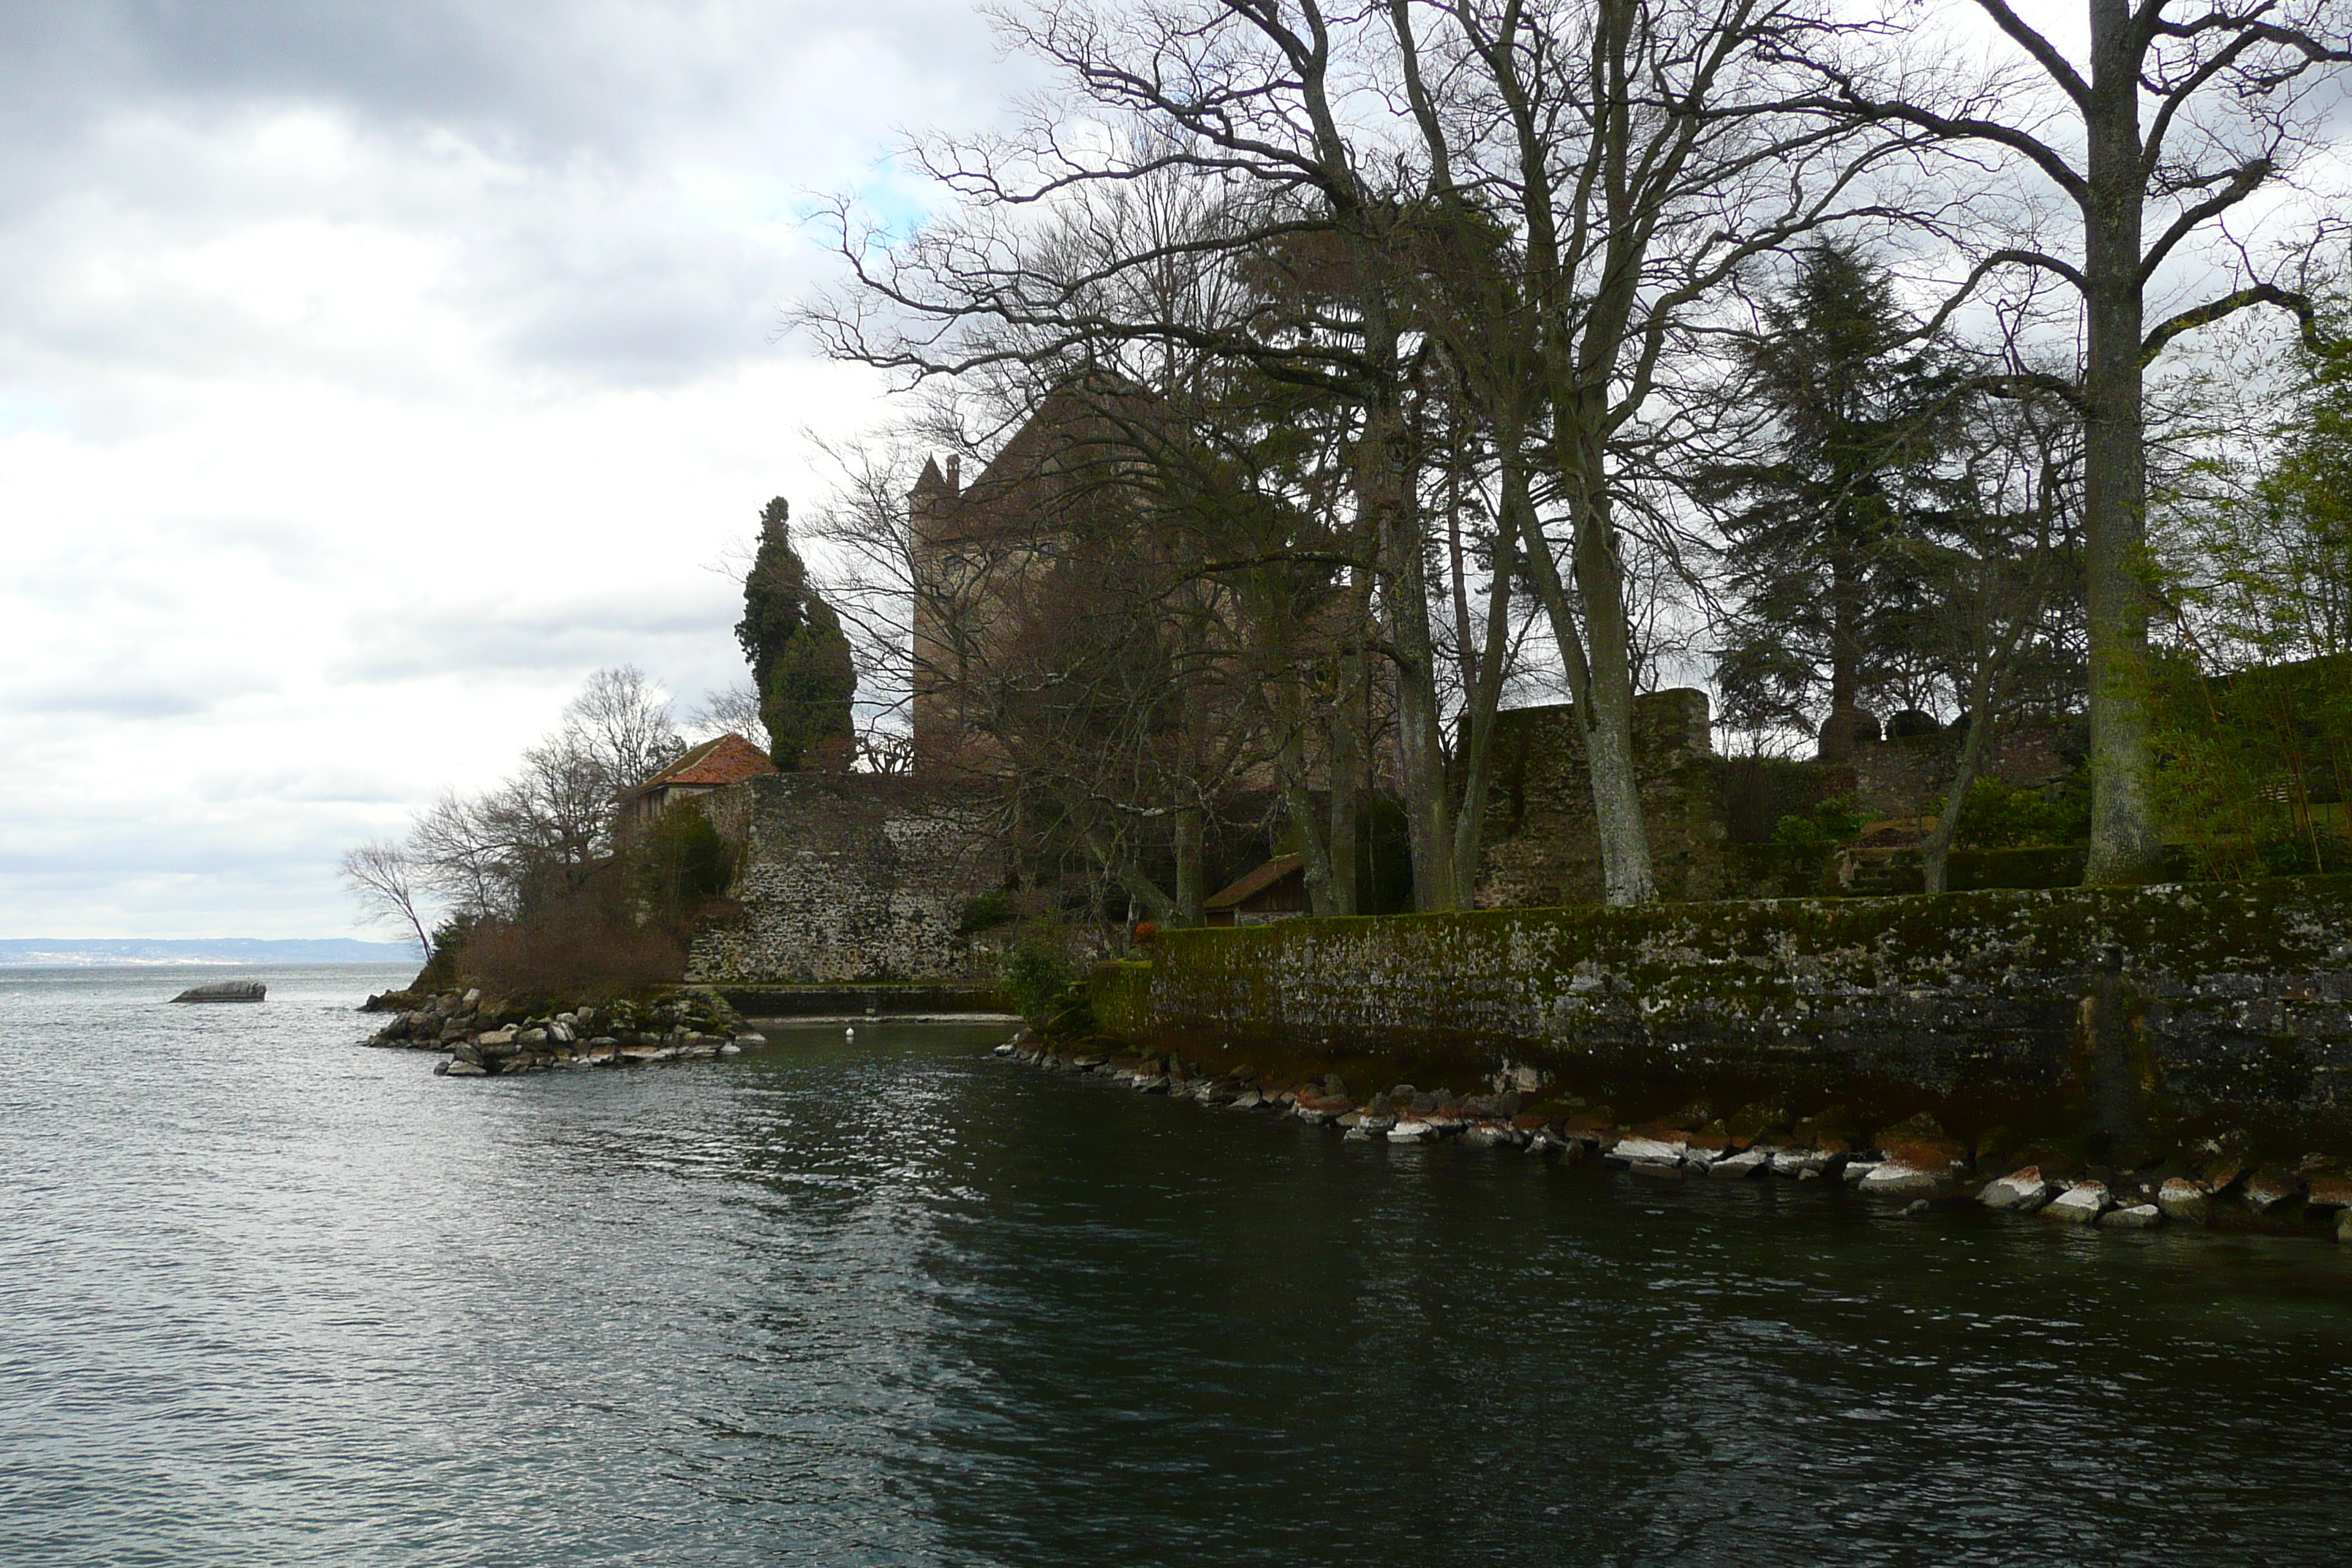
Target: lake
269,1297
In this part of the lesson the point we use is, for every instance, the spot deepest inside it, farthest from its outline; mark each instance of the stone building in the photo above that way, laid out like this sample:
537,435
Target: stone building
703,770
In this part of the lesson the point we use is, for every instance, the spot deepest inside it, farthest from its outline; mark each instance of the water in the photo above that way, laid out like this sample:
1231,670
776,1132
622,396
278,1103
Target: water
267,1296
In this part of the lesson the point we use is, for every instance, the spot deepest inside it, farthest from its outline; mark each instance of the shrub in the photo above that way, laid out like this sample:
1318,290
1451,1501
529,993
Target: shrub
985,912
682,861
2001,816
1037,978
570,955
1830,822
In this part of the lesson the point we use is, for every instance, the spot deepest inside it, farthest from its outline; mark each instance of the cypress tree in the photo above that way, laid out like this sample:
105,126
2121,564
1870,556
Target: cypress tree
792,639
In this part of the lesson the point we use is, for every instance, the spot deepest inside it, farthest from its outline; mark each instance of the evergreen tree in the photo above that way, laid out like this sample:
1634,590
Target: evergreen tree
1828,608
800,659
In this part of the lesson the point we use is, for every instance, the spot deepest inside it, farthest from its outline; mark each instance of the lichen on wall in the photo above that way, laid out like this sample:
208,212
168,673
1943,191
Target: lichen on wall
846,876
2239,995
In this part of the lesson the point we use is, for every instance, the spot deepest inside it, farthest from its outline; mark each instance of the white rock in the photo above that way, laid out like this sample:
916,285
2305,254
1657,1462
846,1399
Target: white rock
497,1037
1897,1179
730,1049
2183,1200
2138,1216
1647,1152
1003,1051
1855,1170
460,1069
1754,1162
2024,1190
1412,1131
2081,1204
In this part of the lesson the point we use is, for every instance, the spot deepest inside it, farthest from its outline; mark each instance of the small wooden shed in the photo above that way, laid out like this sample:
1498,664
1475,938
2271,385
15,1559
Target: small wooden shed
1274,891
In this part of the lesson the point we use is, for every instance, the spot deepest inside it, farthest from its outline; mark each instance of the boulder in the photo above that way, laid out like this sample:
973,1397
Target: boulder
1921,1144
2081,1204
2021,1190
2329,1192
2183,1200
1412,1130
2137,1216
462,1070
1801,1162
1639,1151
1902,1179
2272,1188
1749,1162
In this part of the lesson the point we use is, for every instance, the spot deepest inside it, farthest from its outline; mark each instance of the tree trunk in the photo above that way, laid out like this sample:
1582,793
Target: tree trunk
1350,747
2125,844
1192,887
1608,709
1838,729
1382,488
1936,855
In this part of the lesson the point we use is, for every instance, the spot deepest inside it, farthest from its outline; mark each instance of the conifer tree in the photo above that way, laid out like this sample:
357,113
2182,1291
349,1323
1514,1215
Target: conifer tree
1816,514
800,659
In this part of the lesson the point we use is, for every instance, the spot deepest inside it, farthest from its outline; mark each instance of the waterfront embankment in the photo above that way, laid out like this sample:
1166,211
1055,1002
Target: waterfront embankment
2194,1031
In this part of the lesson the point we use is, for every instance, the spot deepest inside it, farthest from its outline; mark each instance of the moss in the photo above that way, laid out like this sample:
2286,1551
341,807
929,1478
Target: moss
1966,1004
1121,994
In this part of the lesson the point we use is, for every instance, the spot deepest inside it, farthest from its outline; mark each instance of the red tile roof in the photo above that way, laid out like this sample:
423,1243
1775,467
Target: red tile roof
725,761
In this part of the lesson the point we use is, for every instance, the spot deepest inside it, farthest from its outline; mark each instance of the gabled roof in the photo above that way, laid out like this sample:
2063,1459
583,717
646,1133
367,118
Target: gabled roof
725,761
1257,881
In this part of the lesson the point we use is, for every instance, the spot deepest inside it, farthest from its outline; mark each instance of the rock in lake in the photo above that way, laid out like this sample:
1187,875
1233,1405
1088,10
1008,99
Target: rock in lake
2183,1200
2023,1189
225,991
2081,1204
2329,1192
2270,1188
2138,1216
1902,1179
1751,1162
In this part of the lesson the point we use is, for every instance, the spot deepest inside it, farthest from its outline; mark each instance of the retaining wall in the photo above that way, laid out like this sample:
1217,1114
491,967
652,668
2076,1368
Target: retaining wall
2139,1013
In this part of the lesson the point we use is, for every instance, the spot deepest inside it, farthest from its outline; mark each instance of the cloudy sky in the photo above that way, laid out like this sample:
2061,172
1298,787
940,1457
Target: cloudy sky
373,370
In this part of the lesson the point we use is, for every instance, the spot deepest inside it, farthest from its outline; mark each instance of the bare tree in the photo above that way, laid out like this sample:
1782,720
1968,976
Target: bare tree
2151,136
622,726
731,710
387,881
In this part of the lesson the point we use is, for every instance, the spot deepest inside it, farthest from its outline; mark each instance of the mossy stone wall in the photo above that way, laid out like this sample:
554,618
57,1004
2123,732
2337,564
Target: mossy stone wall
1120,993
2214,1000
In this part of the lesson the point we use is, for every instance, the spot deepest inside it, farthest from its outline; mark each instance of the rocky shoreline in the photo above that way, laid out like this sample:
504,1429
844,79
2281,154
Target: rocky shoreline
487,1038
1912,1162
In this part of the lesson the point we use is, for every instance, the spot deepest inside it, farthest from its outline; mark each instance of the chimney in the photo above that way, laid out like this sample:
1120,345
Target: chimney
955,474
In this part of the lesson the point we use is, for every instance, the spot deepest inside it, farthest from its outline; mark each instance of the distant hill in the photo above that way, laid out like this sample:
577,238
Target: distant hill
19,950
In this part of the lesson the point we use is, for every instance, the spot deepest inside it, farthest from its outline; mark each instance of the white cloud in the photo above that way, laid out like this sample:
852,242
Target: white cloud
371,371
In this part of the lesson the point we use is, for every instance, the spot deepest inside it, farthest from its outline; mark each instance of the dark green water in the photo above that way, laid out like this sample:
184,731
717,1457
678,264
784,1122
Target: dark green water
267,1296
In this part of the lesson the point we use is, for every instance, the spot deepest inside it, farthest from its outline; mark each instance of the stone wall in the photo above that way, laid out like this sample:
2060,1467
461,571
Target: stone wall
2147,1011
846,876
1540,847
1911,777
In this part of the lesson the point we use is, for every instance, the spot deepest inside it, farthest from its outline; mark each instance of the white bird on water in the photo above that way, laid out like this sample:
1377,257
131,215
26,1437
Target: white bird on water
850,1033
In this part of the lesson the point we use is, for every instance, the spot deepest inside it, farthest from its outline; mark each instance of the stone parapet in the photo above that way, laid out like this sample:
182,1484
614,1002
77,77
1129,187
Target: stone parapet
2134,1012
